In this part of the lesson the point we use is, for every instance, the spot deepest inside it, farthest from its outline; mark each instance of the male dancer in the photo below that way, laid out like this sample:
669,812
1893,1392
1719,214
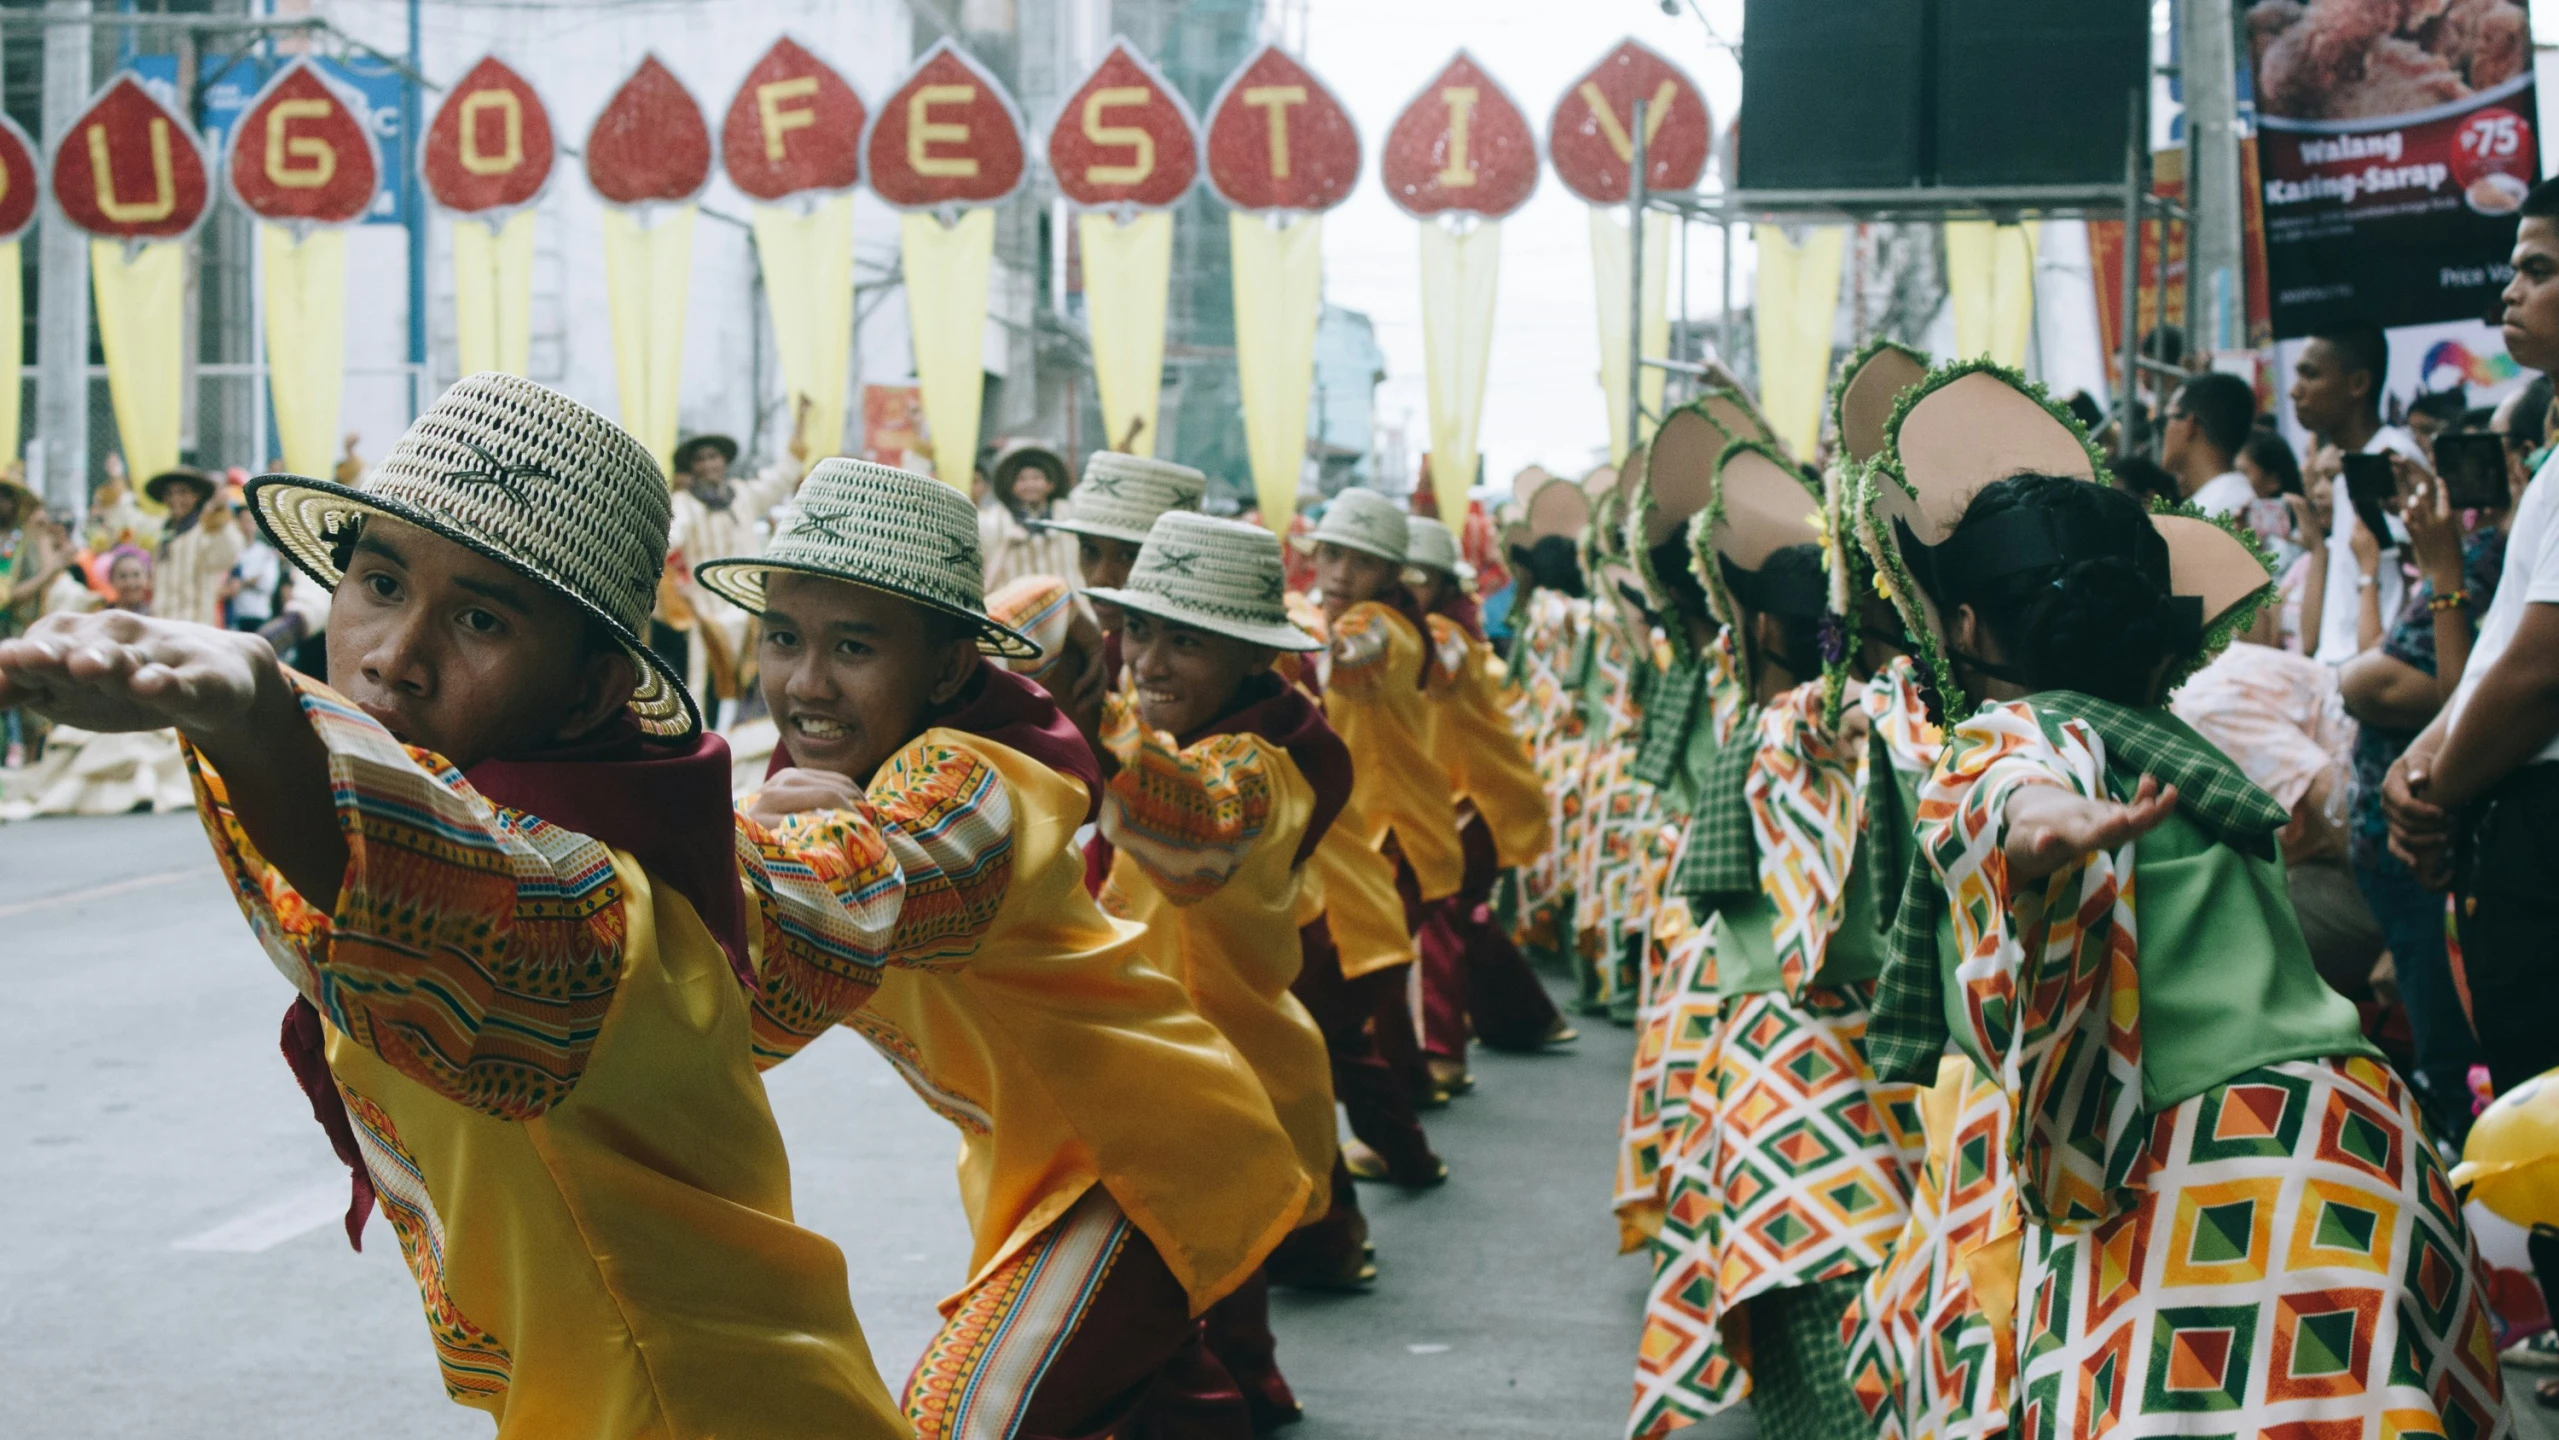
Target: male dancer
500,866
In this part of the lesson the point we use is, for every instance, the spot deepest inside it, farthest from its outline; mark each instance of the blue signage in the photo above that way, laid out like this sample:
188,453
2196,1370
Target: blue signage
231,85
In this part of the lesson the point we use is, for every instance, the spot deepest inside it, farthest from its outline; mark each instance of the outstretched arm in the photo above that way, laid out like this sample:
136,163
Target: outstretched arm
2049,827
225,692
1187,817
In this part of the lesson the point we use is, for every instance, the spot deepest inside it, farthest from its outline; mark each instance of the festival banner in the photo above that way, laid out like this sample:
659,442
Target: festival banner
945,146
648,157
21,182
133,176
2394,158
1281,151
303,162
1458,159
1793,307
1990,285
793,142
487,156
1590,140
1125,149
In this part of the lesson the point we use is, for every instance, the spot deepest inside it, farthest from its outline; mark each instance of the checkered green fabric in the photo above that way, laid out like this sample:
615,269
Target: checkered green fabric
1677,702
1908,1031
1799,1366
1720,862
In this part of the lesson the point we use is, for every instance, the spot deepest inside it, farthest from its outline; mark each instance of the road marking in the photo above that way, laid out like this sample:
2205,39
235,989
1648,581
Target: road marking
1426,1349
270,1225
99,892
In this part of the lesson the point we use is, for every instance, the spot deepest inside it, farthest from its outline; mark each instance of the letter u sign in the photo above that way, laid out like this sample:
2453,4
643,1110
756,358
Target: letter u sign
164,179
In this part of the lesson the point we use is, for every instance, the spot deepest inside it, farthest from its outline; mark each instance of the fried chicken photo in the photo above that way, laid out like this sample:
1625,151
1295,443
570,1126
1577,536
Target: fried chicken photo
2358,59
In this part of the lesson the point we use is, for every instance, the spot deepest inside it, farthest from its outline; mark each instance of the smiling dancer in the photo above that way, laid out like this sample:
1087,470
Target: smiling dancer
2230,1215
1227,779
1121,1168
500,866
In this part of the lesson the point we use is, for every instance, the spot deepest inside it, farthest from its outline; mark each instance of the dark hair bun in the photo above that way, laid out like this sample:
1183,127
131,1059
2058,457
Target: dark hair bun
2102,629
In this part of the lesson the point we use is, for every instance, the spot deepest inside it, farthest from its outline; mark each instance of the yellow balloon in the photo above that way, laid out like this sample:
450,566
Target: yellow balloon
2511,1161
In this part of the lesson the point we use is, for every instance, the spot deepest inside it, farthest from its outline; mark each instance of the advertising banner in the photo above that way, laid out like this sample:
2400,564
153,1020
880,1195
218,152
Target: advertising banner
2393,158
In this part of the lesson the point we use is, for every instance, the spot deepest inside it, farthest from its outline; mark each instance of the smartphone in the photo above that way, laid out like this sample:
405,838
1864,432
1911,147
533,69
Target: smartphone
2473,466
2372,487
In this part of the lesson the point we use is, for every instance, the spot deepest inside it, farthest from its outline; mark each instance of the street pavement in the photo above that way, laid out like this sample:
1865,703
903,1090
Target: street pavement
175,1265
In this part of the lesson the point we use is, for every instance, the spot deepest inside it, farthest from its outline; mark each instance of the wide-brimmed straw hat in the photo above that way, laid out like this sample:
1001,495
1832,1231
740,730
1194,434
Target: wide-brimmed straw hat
157,487
1222,576
1558,508
1861,404
1762,504
1431,545
1971,423
1122,494
524,476
893,531
1679,477
1365,521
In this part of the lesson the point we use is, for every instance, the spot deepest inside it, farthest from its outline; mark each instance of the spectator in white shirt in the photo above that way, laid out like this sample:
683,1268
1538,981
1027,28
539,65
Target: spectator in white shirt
2474,801
2208,421
2336,395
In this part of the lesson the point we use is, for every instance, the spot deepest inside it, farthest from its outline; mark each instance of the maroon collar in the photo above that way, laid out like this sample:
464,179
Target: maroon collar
664,803
1281,713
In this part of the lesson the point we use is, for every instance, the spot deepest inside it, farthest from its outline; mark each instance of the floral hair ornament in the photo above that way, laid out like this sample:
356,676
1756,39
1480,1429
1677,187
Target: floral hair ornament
1861,401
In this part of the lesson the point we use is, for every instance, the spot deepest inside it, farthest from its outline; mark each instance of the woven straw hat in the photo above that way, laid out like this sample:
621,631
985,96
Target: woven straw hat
1365,521
1121,495
894,531
1431,545
529,478
1222,576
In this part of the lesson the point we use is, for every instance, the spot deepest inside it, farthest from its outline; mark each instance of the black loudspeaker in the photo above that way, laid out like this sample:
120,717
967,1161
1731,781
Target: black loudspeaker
1834,93
2036,92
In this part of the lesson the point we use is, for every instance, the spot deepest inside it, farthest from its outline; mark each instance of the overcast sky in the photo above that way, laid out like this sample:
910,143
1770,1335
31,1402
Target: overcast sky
1542,401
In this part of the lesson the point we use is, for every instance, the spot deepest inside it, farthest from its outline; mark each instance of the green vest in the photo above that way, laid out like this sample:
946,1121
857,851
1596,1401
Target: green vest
2226,979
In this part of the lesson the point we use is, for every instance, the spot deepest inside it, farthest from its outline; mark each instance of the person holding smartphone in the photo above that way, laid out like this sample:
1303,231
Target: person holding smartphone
2336,395
2471,801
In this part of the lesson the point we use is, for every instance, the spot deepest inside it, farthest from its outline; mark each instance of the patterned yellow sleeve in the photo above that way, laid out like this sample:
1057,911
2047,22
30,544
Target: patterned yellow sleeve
1189,817
475,949
1362,652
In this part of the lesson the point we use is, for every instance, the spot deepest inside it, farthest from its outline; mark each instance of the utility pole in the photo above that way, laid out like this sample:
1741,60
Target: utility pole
62,285
2213,236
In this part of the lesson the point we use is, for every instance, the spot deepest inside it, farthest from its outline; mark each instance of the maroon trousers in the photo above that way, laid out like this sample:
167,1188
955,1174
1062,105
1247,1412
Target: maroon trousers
1378,1101
1238,1333
1137,1365
1473,977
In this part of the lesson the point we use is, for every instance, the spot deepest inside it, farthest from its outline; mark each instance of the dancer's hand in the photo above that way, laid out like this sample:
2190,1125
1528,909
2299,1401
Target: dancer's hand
2049,827
796,791
115,671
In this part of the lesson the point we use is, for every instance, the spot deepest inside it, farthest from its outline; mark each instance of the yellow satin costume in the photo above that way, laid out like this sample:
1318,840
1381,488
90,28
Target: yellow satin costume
1374,698
1067,1060
1207,841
